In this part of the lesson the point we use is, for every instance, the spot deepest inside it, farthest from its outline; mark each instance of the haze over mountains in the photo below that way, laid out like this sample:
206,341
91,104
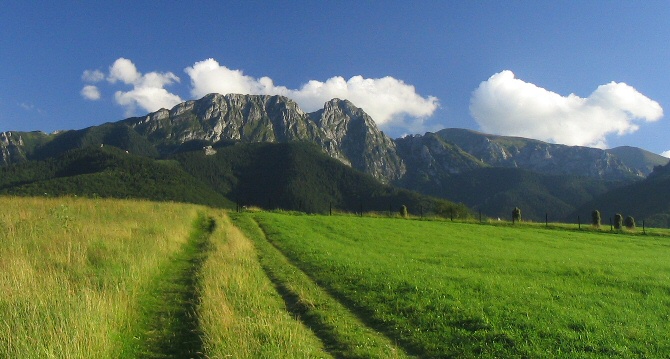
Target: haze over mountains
485,172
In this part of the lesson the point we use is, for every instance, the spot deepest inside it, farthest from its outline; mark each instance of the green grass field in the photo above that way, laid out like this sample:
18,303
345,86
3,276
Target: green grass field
443,289
82,278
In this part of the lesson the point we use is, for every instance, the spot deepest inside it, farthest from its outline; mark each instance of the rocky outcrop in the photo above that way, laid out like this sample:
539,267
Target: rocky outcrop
344,131
355,134
11,148
537,156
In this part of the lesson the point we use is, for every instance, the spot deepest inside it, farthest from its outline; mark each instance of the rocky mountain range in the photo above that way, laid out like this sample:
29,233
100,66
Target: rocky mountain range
425,163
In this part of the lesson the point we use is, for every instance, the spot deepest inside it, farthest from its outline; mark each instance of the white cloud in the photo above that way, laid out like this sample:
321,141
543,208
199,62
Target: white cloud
90,92
509,106
148,92
387,100
149,98
123,70
666,154
93,76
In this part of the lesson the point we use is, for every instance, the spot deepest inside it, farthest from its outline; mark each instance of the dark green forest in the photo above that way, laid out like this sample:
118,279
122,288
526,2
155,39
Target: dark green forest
291,176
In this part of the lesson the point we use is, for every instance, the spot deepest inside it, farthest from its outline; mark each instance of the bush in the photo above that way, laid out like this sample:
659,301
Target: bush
629,222
595,218
403,211
618,221
516,214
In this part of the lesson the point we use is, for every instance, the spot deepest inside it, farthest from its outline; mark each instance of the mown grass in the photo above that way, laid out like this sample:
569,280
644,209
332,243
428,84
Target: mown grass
447,290
241,313
342,332
72,271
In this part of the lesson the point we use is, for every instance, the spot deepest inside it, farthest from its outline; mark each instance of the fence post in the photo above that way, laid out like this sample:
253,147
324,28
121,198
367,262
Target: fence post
546,219
421,211
579,222
361,210
330,208
480,216
643,230
611,227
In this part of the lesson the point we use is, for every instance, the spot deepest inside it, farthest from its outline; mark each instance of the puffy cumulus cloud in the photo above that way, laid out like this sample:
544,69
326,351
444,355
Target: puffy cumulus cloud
209,77
123,70
148,90
90,92
506,105
387,100
666,154
149,98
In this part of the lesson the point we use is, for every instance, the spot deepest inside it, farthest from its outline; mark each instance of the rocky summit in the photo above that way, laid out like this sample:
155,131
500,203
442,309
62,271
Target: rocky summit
344,131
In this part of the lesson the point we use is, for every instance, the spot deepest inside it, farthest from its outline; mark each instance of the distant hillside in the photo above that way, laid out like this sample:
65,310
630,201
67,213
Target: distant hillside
642,160
647,200
517,152
298,176
107,172
496,191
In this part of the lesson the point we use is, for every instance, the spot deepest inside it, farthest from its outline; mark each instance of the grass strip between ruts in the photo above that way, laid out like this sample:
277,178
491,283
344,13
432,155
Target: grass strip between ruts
343,334
169,326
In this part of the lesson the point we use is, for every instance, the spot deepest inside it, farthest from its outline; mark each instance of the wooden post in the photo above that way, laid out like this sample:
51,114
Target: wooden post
421,211
361,211
546,219
643,229
611,227
480,216
330,208
579,222
451,214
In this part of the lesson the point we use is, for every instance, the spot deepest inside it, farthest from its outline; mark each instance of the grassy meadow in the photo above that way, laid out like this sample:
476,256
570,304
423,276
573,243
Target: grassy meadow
82,278
443,289
72,272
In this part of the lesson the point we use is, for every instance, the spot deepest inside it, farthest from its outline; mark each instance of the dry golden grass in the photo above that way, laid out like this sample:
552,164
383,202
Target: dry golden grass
71,271
241,313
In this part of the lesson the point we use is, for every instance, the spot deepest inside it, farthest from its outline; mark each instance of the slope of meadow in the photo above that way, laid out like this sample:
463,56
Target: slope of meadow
82,278
72,271
444,290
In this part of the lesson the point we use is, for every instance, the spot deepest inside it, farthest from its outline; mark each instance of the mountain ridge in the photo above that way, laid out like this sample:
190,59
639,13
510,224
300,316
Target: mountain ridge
431,163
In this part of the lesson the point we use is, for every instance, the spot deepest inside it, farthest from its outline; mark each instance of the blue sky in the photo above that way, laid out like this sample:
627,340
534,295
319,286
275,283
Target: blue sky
575,72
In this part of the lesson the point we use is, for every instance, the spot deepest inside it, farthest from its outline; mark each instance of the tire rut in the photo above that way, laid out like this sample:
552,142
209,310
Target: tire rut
307,308
172,328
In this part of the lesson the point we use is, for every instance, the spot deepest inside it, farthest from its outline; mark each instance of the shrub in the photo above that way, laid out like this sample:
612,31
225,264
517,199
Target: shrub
516,214
629,222
618,220
595,218
403,211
